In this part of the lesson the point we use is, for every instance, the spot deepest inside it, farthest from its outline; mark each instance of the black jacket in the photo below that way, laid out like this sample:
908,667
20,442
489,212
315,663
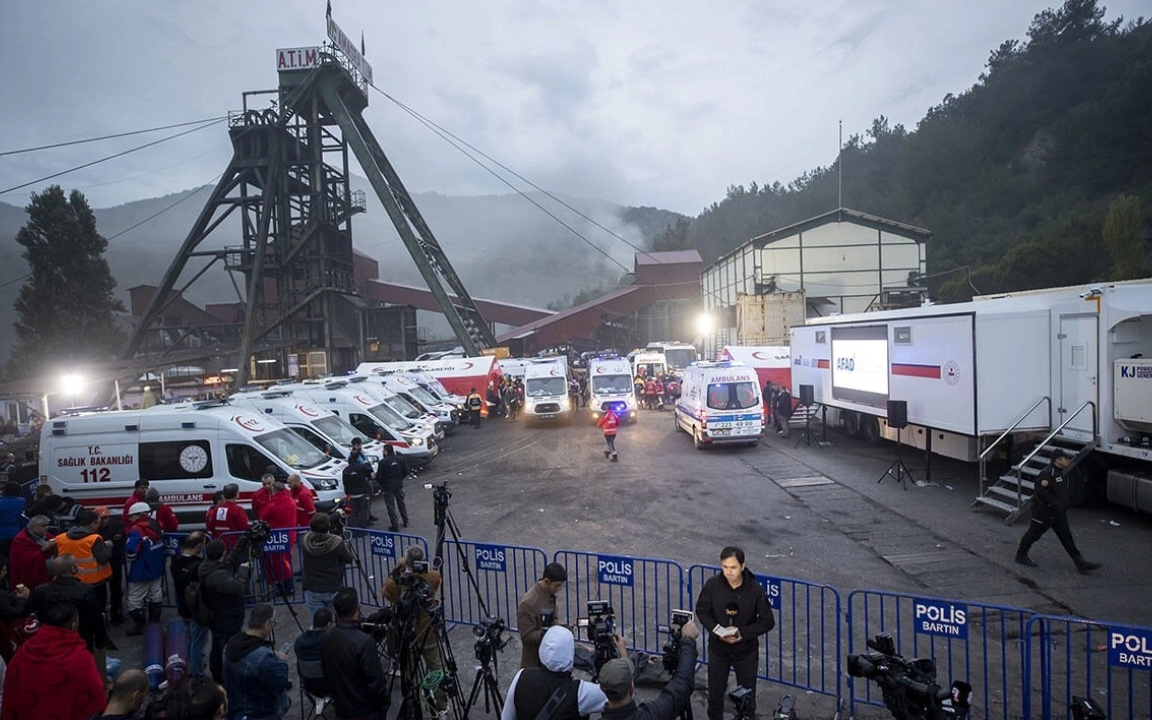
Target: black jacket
184,569
1050,497
74,592
308,663
745,608
390,472
672,699
323,557
352,666
224,593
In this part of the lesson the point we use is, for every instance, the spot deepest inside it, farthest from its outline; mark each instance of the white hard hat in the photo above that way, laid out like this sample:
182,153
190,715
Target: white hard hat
140,508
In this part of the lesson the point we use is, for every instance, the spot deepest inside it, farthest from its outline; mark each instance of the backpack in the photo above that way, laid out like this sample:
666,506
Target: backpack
202,613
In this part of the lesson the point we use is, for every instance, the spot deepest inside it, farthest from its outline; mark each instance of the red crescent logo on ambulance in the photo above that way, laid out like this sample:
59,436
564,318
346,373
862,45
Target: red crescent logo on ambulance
362,400
554,372
308,410
467,366
249,423
600,370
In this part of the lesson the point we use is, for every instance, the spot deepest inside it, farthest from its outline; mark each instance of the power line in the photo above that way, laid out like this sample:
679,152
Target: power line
445,135
108,137
111,157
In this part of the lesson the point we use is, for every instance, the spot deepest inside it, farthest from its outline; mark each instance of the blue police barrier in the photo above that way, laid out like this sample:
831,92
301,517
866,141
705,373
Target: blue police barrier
503,574
643,592
272,566
978,643
804,649
1111,663
377,552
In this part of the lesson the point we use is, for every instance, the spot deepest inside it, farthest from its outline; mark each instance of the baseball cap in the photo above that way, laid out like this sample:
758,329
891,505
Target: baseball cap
616,678
139,508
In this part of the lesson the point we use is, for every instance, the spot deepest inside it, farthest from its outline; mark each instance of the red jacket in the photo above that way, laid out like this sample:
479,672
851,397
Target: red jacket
225,518
305,500
27,562
134,498
280,511
165,517
609,422
260,498
650,387
52,676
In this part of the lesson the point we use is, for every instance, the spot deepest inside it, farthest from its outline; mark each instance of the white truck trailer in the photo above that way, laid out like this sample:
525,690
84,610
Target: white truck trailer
1064,364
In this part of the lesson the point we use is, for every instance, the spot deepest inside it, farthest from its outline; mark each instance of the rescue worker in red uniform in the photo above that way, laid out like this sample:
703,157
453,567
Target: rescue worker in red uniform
227,517
609,423
305,499
263,496
280,514
138,492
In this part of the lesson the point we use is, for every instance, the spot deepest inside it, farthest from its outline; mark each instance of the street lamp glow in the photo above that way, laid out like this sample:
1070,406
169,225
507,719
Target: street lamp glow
704,324
71,385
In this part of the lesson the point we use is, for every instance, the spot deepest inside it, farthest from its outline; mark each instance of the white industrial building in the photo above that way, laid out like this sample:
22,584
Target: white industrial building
844,261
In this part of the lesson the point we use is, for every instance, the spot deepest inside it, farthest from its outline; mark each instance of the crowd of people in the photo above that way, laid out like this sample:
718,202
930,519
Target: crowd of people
657,389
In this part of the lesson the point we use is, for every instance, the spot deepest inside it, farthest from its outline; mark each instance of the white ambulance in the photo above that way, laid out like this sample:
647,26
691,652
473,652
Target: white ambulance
374,386
546,390
720,404
410,390
186,451
322,428
610,385
363,411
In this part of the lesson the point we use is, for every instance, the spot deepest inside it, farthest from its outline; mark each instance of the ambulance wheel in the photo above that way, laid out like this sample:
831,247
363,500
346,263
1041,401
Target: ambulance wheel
869,429
852,424
675,422
696,441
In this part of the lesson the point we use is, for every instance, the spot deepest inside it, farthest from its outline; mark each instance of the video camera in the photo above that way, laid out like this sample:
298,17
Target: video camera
258,533
377,624
600,629
675,630
909,687
489,636
745,701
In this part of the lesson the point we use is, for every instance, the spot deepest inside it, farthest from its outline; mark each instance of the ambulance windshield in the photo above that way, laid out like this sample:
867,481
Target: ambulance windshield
732,396
291,449
339,430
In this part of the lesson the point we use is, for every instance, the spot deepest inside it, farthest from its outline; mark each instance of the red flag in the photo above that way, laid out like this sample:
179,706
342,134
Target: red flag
362,51
329,13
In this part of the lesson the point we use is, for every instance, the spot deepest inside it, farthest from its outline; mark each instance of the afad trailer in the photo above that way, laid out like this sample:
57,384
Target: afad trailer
1070,367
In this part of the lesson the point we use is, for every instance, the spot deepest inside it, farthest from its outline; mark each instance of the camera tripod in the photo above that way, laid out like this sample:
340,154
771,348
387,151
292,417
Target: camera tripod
255,556
486,681
898,471
417,685
442,515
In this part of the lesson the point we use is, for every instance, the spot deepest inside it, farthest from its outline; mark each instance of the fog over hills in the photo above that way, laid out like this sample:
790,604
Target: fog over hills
502,246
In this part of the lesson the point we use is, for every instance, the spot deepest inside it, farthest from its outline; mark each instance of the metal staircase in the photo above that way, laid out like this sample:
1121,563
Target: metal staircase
1012,490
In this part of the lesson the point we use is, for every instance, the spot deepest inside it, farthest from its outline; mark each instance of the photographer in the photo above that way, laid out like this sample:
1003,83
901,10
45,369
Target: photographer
733,606
351,664
616,680
532,688
414,592
323,556
223,592
537,612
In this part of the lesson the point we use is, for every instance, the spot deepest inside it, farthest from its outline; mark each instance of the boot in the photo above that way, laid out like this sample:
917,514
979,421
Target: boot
614,458
1023,559
607,453
137,623
154,610
1085,566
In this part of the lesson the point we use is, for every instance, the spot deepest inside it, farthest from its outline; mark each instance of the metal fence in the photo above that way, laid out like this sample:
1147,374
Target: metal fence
503,573
377,553
982,644
642,591
1071,658
804,649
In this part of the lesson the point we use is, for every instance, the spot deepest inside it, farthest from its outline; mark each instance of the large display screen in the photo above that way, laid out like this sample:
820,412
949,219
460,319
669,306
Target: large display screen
860,364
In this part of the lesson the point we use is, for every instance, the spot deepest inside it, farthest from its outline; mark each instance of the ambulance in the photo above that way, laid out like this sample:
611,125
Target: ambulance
324,429
546,390
186,451
610,386
407,388
363,411
720,404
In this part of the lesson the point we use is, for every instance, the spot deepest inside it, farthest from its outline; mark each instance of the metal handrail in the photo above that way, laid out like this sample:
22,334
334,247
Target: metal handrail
1019,467
1019,420
984,455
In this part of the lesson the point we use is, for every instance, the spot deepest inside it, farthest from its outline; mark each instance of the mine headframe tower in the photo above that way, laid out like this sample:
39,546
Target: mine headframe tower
288,180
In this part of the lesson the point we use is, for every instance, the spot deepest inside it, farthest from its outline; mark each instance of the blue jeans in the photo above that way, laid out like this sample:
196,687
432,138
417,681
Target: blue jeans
198,636
316,600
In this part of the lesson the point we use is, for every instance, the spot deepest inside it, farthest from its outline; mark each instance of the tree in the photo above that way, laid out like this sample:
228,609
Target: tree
65,311
1122,238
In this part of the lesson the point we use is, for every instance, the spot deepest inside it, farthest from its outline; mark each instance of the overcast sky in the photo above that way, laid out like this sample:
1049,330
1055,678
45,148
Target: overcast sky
640,102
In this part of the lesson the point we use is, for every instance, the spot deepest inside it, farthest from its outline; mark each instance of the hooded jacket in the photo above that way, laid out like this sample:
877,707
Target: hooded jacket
745,608
255,678
527,698
52,676
323,557
225,595
27,561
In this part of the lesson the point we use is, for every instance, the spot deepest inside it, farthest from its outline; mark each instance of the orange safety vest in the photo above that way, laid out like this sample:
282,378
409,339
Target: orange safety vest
89,572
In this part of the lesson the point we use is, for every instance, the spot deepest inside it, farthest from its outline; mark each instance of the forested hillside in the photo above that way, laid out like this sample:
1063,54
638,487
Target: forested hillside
1017,176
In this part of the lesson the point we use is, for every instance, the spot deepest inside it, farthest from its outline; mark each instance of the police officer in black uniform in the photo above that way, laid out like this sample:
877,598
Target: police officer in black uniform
1050,510
390,473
